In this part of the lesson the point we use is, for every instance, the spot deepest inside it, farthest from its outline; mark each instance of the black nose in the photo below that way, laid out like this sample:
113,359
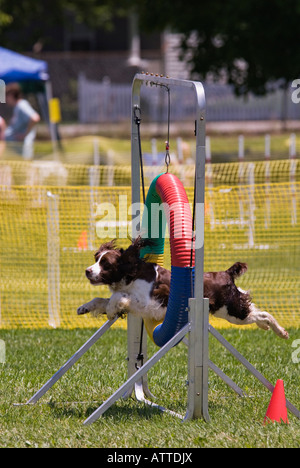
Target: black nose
88,273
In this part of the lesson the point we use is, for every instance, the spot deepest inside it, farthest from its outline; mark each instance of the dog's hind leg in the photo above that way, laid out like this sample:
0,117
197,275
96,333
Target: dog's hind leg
96,307
265,321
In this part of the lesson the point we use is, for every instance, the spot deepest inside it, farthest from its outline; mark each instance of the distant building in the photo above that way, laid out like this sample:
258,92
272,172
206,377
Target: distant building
114,55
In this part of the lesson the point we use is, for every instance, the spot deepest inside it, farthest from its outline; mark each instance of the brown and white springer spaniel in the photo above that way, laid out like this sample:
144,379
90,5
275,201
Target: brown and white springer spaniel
142,289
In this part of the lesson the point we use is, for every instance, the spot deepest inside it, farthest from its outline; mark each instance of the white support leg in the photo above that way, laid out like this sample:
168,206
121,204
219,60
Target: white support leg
134,332
71,361
136,377
198,360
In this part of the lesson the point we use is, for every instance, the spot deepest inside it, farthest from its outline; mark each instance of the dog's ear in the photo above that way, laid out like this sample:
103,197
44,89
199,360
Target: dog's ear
132,253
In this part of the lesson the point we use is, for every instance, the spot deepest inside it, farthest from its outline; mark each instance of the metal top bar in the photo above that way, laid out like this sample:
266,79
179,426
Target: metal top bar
149,79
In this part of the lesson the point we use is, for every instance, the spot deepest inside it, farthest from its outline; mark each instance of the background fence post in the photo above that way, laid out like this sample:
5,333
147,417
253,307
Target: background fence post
53,260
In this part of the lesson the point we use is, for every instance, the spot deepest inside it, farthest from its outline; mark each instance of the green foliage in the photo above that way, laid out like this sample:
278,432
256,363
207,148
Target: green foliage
5,19
252,43
26,22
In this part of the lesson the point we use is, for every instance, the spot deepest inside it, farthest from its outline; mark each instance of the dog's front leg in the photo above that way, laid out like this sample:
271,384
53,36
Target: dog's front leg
96,307
118,303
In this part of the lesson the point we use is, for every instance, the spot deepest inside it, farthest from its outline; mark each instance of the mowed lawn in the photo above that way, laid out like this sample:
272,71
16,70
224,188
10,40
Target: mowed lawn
32,357
224,148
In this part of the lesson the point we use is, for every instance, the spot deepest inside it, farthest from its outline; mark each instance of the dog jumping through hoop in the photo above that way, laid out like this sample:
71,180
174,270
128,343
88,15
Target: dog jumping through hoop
142,289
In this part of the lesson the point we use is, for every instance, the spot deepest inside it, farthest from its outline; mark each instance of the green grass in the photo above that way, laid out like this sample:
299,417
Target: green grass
79,150
56,421
225,147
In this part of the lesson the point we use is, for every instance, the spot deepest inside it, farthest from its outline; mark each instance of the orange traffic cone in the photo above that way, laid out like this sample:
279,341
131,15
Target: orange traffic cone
277,407
82,243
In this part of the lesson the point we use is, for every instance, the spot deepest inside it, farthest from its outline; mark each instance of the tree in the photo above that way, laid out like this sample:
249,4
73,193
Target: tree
255,43
22,23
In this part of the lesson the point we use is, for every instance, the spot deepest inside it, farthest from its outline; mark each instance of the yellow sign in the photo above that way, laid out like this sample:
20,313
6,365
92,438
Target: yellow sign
54,110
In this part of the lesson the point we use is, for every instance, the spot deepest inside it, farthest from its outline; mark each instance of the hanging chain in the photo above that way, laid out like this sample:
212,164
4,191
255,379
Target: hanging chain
137,119
137,114
167,157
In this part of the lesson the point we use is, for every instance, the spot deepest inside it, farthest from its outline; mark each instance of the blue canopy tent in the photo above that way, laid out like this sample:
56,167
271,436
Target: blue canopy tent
17,67
27,71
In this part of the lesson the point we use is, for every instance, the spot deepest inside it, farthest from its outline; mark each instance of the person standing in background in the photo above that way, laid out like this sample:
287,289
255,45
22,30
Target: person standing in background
2,132
24,118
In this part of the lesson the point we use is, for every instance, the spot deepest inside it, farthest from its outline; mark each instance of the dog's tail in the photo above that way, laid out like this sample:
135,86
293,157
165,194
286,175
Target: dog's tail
237,270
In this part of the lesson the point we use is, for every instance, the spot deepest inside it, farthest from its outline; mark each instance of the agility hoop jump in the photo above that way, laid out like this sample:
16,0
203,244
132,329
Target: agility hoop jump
167,189
187,312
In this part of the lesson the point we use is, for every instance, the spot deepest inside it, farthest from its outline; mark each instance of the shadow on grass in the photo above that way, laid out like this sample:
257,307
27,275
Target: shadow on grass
120,411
